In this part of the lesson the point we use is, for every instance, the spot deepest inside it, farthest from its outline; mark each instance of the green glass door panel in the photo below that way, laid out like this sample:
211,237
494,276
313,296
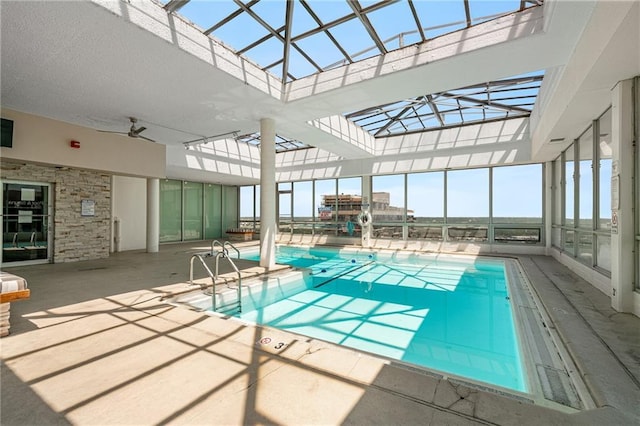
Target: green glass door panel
192,205
212,211
170,210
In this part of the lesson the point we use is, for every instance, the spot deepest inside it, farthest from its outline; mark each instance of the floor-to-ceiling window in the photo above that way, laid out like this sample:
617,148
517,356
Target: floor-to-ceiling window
285,206
388,206
248,205
325,203
517,203
582,196
192,203
229,207
196,211
425,198
468,204
212,206
170,210
449,205
303,207
603,222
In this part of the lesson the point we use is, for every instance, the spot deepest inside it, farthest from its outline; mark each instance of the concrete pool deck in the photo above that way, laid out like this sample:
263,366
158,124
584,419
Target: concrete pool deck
98,344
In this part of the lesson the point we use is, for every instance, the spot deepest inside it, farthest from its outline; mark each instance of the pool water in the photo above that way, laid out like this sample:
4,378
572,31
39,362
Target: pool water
450,315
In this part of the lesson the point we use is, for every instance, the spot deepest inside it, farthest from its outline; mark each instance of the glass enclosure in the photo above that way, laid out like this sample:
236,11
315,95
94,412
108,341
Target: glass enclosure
25,222
191,211
585,198
441,205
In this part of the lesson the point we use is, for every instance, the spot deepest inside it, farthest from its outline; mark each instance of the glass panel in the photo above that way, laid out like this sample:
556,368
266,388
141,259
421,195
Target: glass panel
569,241
284,186
585,247
170,210
192,211
604,162
25,222
213,211
303,207
585,195
517,194
247,205
387,232
230,207
325,204
467,233
387,199
425,197
522,235
421,232
468,196
349,206
603,259
284,212
568,187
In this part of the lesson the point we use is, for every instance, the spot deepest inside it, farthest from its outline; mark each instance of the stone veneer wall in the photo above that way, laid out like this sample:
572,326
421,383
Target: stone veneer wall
75,237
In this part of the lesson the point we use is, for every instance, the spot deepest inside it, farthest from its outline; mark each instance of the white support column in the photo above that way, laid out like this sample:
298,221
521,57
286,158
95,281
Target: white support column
153,215
367,230
548,195
268,228
622,234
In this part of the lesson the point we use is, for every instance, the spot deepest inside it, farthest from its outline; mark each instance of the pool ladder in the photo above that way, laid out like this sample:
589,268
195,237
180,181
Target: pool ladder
227,308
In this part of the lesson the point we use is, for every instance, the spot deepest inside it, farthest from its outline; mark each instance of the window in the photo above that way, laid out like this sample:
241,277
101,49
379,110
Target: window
517,194
303,207
325,205
349,206
212,210
192,211
604,173
387,199
247,204
170,210
425,205
569,217
468,196
585,179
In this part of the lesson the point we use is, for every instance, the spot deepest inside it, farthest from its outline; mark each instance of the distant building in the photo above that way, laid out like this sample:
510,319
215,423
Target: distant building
349,206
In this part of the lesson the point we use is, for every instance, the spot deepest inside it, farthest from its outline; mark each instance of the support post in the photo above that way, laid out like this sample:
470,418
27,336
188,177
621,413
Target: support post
153,215
622,234
268,228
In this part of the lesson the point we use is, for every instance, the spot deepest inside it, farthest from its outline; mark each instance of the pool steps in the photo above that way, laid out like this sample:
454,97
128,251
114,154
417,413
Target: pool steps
230,307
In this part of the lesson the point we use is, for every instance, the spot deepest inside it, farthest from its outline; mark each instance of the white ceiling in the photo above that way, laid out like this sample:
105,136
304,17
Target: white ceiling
95,65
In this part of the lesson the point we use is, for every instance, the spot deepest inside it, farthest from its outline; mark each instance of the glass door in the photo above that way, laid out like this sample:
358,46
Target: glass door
25,222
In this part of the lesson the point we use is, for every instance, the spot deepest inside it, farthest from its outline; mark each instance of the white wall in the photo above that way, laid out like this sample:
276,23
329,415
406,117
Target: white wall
129,207
46,141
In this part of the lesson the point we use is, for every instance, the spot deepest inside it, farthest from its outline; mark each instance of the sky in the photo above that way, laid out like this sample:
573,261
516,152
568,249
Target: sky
517,191
436,17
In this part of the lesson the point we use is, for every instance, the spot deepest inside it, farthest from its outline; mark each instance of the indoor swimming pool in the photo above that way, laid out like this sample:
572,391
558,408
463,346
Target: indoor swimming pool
446,313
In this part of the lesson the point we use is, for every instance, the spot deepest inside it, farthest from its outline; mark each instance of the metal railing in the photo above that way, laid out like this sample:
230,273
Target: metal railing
224,253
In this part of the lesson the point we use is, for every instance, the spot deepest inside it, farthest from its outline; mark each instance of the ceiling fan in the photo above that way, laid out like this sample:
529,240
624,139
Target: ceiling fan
134,132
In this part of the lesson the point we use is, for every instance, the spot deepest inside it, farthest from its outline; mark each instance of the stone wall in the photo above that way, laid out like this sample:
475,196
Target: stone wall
75,237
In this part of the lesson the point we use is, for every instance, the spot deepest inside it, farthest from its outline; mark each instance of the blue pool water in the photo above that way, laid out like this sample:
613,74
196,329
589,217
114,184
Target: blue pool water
449,315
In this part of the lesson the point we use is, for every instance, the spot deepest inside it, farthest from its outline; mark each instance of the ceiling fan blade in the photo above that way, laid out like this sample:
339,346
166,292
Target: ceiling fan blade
111,131
146,138
139,130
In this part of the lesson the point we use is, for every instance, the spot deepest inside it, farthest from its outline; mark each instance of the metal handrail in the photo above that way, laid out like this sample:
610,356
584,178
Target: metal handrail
228,243
215,243
235,268
224,252
200,257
